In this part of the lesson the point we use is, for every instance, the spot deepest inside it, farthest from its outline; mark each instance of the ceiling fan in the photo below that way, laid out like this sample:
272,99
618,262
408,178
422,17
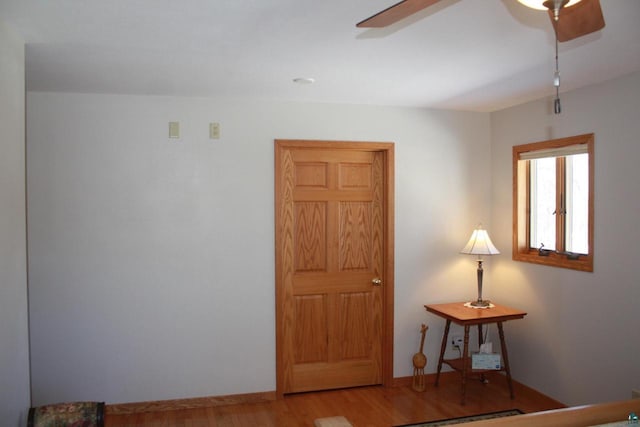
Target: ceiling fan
571,19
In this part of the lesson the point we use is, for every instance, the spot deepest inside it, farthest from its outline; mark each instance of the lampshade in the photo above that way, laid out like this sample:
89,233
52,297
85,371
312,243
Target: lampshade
538,4
480,244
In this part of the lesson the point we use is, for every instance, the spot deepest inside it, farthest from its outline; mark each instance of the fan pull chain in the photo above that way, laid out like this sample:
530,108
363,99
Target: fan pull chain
556,5
557,108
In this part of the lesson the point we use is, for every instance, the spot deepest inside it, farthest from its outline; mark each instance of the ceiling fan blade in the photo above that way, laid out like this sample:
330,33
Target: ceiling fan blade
395,13
578,20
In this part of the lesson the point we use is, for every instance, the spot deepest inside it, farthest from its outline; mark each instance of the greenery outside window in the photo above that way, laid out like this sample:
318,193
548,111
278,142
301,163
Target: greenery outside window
553,202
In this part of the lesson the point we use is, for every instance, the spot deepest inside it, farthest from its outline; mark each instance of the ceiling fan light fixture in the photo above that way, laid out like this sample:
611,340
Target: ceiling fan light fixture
539,4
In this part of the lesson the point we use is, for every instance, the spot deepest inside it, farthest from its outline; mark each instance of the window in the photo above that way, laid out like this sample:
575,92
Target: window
553,202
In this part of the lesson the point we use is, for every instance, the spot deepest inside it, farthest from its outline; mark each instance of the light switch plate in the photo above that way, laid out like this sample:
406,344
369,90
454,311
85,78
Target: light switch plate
214,130
174,129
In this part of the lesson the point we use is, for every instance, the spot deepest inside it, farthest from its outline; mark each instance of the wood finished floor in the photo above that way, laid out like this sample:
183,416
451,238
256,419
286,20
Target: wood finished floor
366,406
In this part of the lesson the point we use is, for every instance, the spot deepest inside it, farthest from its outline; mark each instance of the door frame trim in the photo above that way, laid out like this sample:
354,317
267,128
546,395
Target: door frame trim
388,151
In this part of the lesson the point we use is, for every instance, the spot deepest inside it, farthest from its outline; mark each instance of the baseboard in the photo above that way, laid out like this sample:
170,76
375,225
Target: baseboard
190,403
267,396
553,401
212,401
235,399
455,377
429,379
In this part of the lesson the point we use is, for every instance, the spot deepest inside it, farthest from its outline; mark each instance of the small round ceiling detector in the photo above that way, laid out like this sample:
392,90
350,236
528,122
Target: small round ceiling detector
304,80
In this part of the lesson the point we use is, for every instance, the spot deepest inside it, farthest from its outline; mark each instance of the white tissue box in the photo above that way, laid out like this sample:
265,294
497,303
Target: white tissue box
486,361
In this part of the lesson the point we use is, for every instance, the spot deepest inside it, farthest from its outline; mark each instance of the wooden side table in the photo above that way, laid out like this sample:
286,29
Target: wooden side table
468,316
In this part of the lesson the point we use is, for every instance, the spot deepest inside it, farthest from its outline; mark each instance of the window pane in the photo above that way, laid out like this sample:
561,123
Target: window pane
543,203
577,198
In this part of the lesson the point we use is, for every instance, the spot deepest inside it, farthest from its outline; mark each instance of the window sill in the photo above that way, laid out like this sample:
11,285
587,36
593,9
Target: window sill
583,263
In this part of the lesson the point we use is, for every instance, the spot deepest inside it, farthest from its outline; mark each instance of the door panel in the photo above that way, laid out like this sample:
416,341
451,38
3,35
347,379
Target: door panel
331,243
310,236
309,343
355,236
356,334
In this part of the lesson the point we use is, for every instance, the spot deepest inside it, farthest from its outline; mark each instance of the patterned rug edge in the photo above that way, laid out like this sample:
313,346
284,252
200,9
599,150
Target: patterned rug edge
467,419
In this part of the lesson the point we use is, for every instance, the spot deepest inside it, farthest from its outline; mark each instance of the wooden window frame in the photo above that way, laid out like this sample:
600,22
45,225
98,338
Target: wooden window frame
522,250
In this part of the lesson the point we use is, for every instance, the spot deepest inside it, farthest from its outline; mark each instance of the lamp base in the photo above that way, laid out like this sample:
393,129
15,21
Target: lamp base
480,303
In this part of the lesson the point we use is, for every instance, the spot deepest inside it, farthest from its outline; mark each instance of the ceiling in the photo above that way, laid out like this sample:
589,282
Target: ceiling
473,55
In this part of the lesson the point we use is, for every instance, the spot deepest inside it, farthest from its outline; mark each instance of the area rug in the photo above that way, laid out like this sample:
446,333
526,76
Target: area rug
468,419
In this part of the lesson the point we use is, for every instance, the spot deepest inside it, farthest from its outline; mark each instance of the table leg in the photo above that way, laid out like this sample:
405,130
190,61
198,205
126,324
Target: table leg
465,362
483,379
505,356
445,336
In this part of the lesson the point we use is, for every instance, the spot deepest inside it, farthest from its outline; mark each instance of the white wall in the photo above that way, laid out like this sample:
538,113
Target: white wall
14,329
152,260
580,341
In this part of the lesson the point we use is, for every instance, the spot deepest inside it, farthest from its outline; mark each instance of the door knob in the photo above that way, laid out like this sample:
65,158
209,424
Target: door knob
377,281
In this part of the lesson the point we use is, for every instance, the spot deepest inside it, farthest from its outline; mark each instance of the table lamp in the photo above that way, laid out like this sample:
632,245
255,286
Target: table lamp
480,244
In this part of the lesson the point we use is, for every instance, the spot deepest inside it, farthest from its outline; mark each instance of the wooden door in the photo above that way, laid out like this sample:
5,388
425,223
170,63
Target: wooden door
334,265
